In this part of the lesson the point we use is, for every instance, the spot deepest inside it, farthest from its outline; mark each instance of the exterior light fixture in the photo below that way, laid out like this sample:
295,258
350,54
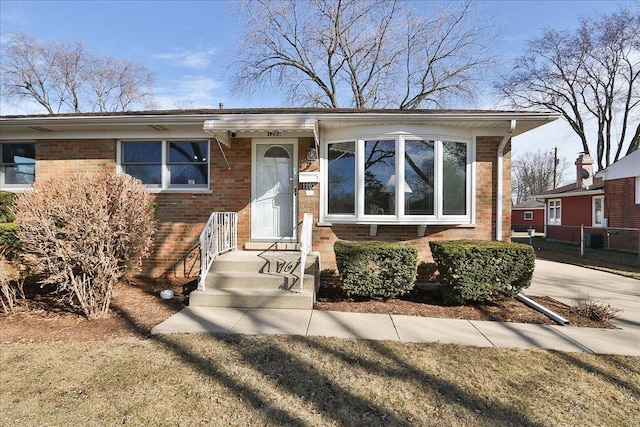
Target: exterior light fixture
312,155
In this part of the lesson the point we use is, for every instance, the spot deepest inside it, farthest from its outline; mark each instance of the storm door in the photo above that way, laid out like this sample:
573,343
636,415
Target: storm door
273,191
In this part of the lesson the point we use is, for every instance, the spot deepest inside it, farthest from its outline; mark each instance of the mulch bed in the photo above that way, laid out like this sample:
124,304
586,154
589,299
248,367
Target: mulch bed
137,307
426,301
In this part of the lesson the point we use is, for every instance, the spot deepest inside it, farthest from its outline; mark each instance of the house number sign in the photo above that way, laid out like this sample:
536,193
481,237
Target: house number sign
274,133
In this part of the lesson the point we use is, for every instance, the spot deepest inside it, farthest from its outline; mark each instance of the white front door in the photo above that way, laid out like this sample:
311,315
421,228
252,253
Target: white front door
274,190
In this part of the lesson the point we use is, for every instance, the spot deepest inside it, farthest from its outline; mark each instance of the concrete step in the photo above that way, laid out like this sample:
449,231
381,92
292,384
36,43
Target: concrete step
253,280
264,262
253,298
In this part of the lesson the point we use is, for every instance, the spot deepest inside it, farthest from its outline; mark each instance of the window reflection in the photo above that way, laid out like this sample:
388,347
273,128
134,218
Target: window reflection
419,172
341,178
379,177
454,179
18,164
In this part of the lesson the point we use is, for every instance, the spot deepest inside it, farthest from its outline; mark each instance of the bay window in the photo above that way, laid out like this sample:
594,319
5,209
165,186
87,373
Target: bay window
398,179
167,164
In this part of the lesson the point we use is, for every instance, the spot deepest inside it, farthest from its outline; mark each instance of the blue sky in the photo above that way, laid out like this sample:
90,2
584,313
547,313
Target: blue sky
188,43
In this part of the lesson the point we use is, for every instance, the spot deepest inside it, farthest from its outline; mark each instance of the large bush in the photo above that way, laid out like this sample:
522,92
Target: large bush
376,269
85,232
480,271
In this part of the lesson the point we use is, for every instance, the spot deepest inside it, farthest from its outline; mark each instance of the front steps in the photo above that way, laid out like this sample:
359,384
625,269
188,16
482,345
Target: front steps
251,279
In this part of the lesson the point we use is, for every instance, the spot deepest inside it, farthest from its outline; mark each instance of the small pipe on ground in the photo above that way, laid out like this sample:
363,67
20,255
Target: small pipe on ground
542,309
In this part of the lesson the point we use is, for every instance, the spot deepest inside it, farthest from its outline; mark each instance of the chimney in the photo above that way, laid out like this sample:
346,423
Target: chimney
220,106
584,171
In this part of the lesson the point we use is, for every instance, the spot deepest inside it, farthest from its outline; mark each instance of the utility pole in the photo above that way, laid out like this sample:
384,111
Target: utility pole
555,168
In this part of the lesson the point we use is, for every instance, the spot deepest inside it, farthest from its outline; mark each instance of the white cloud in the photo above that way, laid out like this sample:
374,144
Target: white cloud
198,59
190,92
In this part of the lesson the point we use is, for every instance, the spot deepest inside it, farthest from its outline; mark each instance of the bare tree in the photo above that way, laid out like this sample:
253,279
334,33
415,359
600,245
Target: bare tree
362,54
64,77
590,73
535,173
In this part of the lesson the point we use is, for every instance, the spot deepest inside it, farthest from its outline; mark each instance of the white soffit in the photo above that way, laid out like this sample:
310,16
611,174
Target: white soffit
222,127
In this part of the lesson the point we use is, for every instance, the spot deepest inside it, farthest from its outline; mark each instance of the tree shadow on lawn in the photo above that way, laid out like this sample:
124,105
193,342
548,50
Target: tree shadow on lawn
300,379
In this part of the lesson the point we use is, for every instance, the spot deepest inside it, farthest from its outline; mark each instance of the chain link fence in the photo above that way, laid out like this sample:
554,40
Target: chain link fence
585,237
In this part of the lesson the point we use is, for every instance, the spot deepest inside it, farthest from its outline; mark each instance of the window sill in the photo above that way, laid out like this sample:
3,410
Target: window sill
179,190
328,223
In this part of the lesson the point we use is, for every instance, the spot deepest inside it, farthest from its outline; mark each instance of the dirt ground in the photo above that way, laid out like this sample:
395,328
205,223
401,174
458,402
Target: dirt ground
137,307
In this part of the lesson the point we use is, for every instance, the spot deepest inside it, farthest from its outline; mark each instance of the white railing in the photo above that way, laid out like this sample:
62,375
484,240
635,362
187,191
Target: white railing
306,235
219,235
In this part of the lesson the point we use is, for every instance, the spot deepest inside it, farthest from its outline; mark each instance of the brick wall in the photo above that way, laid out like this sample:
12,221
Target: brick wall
181,216
619,203
54,157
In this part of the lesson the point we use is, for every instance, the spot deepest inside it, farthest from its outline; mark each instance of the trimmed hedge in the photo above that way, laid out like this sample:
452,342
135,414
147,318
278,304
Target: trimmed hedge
376,269
481,271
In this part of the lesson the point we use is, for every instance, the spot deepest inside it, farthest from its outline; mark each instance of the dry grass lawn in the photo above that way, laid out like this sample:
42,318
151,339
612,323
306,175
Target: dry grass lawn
227,380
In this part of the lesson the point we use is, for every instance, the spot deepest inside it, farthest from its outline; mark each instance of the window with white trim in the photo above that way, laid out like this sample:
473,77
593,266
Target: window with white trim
164,164
598,211
528,216
17,165
554,212
397,179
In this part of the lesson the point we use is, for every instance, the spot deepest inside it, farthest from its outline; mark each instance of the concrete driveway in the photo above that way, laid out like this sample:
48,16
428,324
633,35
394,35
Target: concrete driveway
569,283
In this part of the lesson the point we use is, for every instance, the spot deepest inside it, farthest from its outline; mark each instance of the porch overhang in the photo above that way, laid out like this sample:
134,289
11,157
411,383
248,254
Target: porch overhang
223,126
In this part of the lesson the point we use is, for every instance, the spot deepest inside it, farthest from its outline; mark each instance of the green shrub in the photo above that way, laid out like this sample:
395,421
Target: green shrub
376,269
6,202
9,241
481,271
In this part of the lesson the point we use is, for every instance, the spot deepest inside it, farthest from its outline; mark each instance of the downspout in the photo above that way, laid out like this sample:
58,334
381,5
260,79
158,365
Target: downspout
499,185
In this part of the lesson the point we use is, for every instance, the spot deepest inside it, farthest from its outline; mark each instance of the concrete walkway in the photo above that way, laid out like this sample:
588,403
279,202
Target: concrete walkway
563,282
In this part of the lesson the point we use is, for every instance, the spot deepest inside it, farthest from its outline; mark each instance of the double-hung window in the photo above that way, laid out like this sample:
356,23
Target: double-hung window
598,211
179,164
397,180
554,212
17,165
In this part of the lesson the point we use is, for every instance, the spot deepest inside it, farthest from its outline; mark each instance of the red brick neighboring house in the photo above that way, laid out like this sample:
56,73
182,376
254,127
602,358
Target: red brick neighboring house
604,203
622,199
391,175
580,203
528,215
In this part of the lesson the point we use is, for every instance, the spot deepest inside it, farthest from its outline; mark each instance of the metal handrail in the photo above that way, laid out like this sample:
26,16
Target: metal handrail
306,236
219,235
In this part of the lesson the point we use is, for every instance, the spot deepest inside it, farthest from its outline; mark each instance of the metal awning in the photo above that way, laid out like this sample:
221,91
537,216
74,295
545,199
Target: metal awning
221,127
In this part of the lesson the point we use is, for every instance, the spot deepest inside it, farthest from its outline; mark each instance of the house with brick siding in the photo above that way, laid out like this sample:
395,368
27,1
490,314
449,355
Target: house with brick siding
622,201
393,175
572,206
604,207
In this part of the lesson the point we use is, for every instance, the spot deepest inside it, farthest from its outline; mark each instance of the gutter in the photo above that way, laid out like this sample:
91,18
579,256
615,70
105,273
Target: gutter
542,309
500,186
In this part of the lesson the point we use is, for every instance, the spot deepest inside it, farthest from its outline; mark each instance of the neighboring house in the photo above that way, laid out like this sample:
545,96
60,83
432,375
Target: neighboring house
396,175
528,215
580,203
622,200
599,202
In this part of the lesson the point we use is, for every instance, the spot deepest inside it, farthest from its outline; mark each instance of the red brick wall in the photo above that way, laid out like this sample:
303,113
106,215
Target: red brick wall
55,157
181,216
619,203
